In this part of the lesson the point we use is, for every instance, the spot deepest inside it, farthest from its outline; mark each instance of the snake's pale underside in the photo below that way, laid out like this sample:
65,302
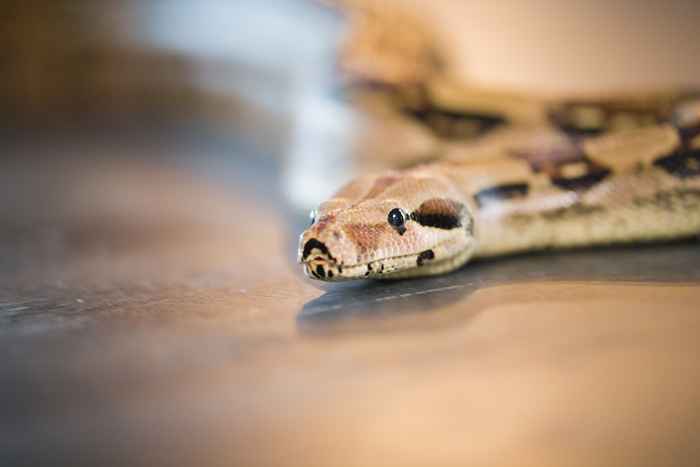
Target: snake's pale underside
580,173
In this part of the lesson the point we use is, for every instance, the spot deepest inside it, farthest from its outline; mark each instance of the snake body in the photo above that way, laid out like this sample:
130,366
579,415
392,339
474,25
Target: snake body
531,175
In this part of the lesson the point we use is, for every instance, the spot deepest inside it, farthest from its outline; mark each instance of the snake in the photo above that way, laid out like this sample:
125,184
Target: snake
529,174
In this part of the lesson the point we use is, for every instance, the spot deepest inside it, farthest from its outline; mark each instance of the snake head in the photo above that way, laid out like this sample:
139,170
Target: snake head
388,226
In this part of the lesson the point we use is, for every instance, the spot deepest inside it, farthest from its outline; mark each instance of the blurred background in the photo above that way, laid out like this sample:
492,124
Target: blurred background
257,74
269,75
158,161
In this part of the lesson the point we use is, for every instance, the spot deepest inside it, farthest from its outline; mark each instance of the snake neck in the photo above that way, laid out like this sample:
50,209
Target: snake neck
544,191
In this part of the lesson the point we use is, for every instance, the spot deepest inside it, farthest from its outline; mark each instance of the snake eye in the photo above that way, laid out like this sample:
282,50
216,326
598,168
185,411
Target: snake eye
397,219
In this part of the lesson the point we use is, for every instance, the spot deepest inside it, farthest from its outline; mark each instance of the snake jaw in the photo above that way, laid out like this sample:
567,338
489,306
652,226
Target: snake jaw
448,254
323,268
324,252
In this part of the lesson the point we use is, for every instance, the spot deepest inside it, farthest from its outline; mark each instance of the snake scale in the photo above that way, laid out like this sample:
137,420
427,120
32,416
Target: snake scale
579,173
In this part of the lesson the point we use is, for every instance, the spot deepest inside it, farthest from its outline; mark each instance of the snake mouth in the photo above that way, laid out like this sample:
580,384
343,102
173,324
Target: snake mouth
320,264
327,269
323,268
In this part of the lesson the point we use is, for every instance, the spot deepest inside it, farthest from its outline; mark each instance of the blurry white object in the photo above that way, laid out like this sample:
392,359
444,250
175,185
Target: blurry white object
319,159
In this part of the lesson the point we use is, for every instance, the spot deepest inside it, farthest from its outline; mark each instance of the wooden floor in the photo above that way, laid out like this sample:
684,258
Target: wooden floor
151,314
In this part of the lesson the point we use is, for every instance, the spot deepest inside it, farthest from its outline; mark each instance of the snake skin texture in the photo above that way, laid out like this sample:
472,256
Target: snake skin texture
528,174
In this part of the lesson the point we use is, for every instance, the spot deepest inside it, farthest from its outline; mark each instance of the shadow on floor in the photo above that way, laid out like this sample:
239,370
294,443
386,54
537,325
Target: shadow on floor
368,305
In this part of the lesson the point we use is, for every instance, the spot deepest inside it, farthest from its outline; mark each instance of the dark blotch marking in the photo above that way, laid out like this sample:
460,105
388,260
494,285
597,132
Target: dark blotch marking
605,116
440,213
682,163
687,134
320,271
315,244
547,158
501,192
426,255
563,118
554,166
452,124
583,182
380,185
552,163
330,274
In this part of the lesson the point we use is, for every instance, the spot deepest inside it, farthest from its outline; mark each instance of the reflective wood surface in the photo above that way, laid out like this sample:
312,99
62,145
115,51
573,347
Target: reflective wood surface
151,314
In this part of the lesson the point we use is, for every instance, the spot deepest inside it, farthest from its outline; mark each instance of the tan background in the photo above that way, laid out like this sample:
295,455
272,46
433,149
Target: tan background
576,46
571,46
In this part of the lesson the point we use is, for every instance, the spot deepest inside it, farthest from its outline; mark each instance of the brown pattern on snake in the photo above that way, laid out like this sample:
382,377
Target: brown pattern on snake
682,163
558,164
688,135
452,124
593,173
424,256
380,185
366,237
324,222
499,193
546,159
588,118
442,213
